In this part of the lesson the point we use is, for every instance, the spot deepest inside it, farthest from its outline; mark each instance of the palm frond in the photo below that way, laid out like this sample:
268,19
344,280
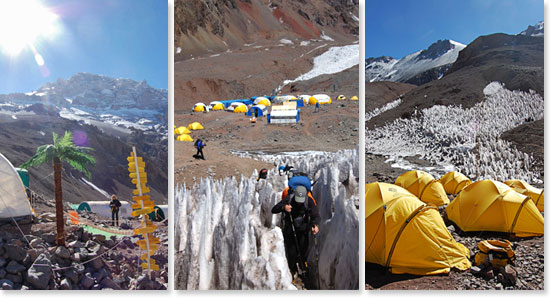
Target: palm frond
66,140
78,160
44,154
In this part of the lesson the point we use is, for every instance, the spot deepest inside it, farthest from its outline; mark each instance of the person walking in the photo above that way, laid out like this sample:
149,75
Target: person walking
301,217
199,144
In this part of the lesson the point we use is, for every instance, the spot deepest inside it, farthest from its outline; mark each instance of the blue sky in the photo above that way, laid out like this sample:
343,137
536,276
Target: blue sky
117,38
400,27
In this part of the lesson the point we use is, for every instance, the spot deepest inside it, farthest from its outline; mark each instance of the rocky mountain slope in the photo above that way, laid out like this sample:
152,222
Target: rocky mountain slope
91,98
417,68
212,26
515,60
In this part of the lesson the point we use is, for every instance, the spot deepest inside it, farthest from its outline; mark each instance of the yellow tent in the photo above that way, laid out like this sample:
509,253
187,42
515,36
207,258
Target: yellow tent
354,98
454,182
240,109
489,205
195,126
341,97
264,102
424,186
217,107
407,235
524,188
181,130
321,99
199,107
184,138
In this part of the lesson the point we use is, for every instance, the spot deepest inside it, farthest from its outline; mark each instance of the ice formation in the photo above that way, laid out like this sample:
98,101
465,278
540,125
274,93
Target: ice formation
228,238
468,139
386,107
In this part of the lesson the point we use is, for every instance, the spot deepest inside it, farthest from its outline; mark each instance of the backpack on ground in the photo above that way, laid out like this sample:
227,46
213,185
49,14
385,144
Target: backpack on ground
497,253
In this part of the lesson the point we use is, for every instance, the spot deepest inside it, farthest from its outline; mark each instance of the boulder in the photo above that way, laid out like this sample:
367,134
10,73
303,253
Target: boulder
87,281
71,274
14,267
40,272
62,252
3,273
75,244
49,237
6,284
16,253
36,242
15,278
108,283
66,284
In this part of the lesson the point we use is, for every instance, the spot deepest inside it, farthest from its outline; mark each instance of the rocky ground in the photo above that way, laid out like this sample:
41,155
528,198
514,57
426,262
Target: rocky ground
529,263
333,128
88,262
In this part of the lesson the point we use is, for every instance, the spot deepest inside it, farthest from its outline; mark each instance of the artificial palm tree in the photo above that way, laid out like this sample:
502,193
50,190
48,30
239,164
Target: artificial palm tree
62,150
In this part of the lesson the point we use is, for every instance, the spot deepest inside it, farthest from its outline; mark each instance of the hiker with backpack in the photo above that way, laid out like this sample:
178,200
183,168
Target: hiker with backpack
301,216
199,144
115,207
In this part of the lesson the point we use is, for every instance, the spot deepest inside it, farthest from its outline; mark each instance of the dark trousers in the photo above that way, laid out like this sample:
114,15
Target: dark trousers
114,217
199,153
292,252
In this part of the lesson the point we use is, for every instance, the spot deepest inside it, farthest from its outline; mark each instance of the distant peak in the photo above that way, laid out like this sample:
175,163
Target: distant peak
438,48
535,31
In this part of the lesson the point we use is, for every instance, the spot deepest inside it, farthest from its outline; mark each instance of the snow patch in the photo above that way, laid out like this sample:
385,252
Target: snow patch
101,191
335,60
326,37
286,41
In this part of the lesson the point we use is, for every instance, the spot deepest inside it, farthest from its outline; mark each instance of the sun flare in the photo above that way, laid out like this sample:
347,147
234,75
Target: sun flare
23,23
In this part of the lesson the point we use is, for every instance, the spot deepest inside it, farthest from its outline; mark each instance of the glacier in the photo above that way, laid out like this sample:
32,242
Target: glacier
227,238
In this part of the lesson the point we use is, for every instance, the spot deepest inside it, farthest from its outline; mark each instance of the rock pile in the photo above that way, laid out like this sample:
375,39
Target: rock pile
88,262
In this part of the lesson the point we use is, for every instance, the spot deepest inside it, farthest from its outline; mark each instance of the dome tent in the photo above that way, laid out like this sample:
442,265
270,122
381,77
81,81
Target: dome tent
354,98
181,130
454,182
15,203
524,188
195,126
489,205
240,109
257,110
199,107
184,138
424,186
217,106
320,98
341,97
407,235
262,101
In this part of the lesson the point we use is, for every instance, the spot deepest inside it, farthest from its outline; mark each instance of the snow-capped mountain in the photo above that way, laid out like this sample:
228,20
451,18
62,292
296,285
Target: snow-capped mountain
91,98
378,67
440,53
535,31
